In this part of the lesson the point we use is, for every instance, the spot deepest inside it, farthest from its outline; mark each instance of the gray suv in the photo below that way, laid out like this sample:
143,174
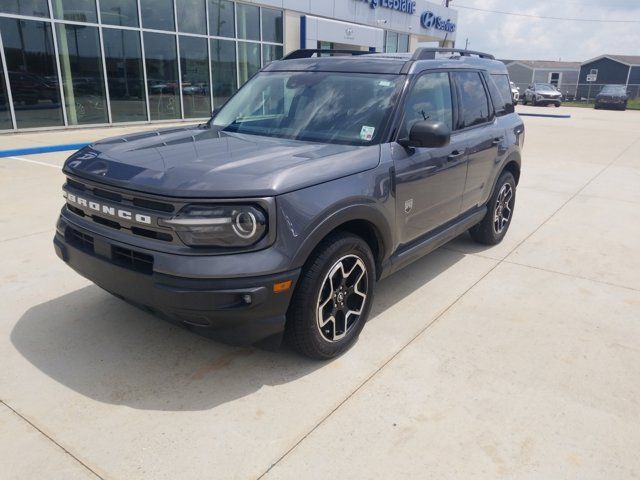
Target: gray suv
321,176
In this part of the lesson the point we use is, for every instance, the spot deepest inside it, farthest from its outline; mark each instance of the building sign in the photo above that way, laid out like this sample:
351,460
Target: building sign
430,20
405,6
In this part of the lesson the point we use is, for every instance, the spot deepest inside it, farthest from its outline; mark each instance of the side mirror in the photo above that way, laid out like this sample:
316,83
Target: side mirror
509,108
427,134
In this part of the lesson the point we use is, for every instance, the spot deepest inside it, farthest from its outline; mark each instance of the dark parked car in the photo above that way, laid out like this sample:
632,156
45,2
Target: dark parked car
612,96
321,176
542,94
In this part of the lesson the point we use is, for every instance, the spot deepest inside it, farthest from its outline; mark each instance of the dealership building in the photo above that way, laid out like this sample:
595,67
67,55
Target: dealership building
70,63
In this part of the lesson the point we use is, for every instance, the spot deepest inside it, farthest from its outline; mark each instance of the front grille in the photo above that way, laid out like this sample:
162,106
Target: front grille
79,240
140,262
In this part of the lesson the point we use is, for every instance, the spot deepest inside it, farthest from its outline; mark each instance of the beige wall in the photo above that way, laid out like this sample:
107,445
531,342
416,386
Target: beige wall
292,31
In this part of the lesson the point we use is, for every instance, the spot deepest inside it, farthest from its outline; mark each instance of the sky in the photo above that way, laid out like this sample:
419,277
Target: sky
520,38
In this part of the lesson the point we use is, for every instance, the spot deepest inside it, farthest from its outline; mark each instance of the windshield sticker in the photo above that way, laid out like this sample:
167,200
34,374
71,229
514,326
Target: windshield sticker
366,133
384,83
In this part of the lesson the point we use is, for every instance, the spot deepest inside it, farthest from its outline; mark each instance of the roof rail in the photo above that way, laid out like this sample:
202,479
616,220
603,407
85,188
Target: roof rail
430,53
309,52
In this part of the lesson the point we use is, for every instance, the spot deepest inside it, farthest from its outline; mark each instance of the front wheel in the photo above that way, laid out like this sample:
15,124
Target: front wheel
333,298
493,227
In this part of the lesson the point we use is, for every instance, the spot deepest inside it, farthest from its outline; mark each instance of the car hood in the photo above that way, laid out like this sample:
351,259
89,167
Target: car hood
205,162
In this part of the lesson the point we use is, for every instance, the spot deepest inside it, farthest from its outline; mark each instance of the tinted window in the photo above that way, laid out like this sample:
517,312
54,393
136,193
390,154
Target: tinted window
76,10
162,75
272,25
248,22
221,18
271,53
500,90
157,14
429,99
5,115
82,75
37,8
194,66
248,60
474,106
28,47
124,75
223,70
192,17
119,12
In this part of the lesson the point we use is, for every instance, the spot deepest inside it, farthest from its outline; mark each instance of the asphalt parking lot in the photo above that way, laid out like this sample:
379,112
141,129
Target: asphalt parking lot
519,361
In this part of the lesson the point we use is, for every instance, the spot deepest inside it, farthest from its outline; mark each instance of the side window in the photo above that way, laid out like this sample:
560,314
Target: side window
474,105
429,99
500,91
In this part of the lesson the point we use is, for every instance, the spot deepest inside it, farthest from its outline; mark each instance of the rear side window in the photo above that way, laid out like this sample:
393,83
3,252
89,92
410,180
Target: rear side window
500,91
474,105
429,99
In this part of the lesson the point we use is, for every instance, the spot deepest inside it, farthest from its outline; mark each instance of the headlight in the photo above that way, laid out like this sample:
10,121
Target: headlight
219,225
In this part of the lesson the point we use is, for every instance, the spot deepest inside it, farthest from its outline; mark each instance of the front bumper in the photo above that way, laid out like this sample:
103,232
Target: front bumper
238,311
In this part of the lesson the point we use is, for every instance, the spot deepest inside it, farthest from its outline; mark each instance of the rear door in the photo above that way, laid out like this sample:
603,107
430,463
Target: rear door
479,132
429,181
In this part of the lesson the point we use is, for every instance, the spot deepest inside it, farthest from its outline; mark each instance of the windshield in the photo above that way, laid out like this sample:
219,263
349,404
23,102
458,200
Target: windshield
328,107
617,89
545,86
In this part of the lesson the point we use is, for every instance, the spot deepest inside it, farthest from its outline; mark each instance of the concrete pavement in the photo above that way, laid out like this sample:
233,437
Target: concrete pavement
518,361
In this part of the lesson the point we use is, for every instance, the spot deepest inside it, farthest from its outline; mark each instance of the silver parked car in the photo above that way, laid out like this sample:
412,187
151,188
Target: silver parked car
542,94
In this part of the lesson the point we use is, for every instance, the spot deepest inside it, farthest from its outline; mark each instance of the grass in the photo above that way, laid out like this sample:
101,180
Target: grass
633,104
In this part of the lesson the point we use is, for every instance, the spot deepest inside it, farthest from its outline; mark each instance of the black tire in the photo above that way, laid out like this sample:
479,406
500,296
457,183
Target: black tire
304,331
487,232
524,100
557,104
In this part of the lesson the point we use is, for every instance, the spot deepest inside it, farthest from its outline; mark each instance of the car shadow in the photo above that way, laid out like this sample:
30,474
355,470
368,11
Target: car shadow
115,353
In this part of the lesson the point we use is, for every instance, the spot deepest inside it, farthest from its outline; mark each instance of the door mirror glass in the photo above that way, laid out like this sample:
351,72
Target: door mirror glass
427,134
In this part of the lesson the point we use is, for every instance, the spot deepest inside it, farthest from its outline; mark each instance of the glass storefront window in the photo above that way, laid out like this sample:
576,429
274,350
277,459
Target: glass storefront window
194,67
5,114
82,75
125,76
271,25
221,18
248,22
157,14
223,70
162,75
28,48
192,16
119,12
36,8
271,53
403,43
391,43
248,60
75,10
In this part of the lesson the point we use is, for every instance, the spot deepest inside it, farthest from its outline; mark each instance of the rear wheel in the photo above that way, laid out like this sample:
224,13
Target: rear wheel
493,227
333,298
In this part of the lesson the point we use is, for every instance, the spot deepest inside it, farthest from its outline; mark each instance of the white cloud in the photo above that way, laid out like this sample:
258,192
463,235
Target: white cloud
513,37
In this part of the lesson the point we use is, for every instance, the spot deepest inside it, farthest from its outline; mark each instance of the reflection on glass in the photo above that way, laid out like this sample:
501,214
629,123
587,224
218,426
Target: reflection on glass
223,70
391,45
28,47
192,16
119,12
248,60
248,22
82,75
157,14
221,18
271,53
75,10
5,114
194,66
403,43
124,75
162,75
37,8
271,25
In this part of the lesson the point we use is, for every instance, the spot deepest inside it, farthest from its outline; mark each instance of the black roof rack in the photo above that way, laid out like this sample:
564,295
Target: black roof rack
309,52
430,53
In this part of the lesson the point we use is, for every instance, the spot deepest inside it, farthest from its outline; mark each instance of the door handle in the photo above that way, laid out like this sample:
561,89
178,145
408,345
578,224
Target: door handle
497,141
456,154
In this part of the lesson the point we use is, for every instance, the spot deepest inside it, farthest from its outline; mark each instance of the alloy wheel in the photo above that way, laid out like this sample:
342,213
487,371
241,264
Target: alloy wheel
503,209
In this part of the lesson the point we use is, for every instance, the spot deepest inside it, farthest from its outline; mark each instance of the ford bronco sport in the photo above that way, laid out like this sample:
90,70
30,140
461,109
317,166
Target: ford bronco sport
321,176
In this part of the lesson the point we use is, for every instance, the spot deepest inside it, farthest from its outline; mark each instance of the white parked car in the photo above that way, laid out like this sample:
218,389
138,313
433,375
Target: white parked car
515,92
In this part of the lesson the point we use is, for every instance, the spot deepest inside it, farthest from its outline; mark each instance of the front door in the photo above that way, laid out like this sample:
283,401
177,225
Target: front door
429,181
